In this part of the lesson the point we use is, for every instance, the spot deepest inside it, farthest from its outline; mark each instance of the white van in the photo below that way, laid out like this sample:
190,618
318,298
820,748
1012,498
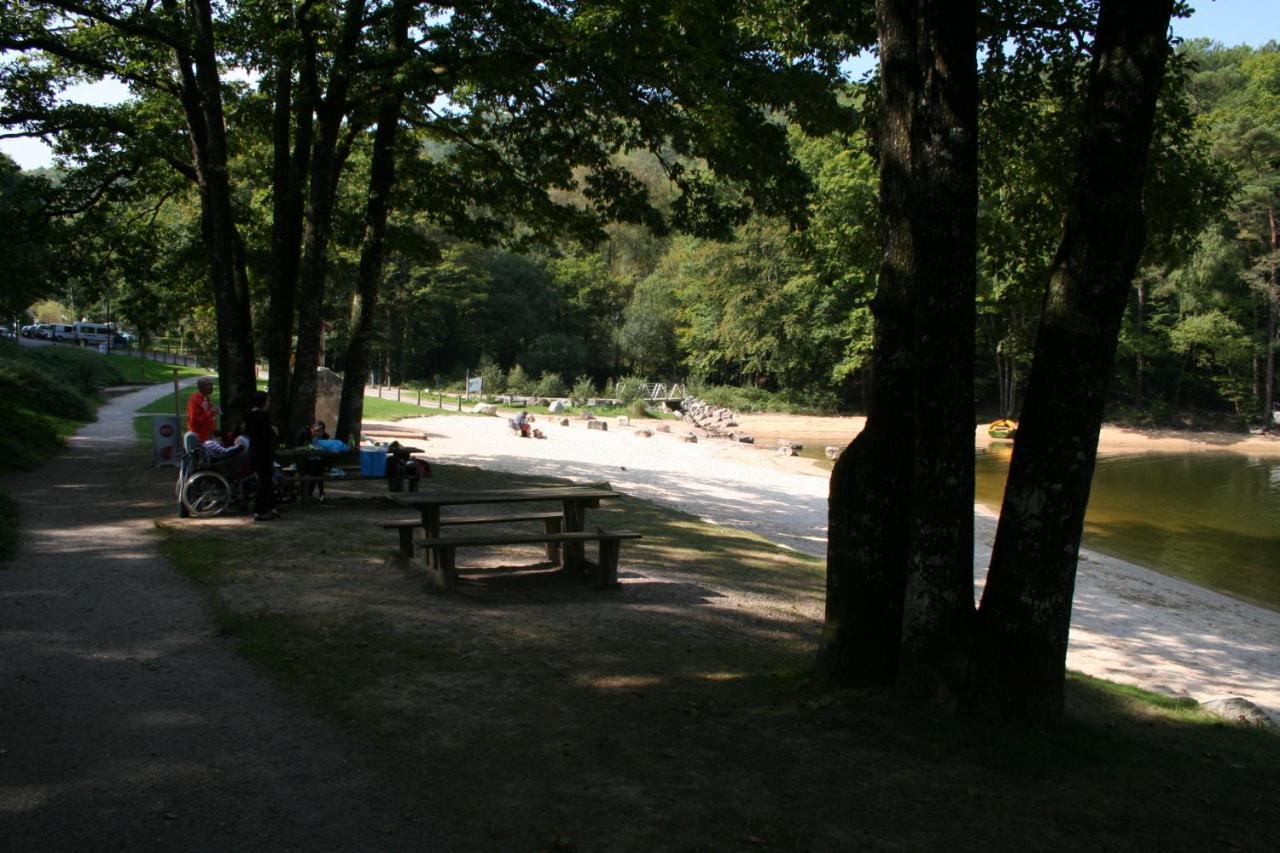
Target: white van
62,332
92,334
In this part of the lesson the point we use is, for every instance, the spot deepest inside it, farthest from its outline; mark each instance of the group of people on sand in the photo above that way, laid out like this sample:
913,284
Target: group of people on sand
257,433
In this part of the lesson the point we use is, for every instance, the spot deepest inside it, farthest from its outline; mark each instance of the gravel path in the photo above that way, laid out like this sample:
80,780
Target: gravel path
126,721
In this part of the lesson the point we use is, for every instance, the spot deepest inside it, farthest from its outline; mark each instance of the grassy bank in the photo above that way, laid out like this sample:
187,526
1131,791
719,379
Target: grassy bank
374,409
48,392
676,712
145,371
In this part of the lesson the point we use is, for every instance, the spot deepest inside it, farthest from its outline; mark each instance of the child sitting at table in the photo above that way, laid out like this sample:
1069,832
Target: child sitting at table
313,466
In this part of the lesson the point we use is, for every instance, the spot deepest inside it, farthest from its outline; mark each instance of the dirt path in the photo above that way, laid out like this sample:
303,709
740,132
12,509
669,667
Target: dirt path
126,721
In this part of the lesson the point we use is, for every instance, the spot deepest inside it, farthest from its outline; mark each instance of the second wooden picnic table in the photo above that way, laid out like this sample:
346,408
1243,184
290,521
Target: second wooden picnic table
397,479
574,500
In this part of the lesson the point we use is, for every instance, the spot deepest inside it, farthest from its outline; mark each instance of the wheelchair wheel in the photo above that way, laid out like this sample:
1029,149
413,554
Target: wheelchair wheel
206,493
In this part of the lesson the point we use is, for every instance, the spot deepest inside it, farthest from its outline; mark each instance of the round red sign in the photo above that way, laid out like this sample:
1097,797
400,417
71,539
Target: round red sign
166,430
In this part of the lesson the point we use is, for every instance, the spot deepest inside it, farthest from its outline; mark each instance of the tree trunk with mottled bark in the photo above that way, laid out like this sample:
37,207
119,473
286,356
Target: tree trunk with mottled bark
901,500
1273,305
1025,616
292,122
201,99
938,606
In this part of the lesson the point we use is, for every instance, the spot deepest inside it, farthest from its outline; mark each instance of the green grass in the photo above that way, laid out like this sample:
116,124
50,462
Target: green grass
388,408
375,408
383,409
164,406
500,685
150,372
573,411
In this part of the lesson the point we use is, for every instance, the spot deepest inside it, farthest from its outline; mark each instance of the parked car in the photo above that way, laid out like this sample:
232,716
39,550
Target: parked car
6,332
29,331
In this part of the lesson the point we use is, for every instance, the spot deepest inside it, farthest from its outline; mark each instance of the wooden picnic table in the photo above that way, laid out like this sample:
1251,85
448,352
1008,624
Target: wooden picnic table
574,500
350,460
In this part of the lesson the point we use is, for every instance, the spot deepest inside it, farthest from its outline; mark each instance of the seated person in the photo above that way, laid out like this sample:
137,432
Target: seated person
312,466
221,448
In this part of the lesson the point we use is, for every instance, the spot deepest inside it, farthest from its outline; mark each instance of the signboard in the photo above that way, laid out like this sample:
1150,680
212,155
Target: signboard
475,384
166,439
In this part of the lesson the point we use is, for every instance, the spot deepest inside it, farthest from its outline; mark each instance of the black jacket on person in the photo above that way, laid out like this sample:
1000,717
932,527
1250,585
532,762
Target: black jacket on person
262,439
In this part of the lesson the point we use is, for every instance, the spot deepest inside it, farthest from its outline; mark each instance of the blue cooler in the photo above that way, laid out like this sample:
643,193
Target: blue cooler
373,461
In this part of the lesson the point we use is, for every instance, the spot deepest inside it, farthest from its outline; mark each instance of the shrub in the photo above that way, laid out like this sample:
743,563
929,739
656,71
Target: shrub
630,388
638,409
550,385
517,381
46,391
494,381
40,390
746,399
82,370
583,389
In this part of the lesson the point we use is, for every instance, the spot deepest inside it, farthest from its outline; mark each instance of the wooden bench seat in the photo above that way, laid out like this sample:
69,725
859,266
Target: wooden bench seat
441,552
349,473
552,522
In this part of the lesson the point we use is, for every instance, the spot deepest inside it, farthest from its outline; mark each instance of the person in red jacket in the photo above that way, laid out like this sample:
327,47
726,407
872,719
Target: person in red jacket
202,416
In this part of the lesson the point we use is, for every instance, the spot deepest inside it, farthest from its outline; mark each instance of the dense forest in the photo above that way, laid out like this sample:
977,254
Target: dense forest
533,296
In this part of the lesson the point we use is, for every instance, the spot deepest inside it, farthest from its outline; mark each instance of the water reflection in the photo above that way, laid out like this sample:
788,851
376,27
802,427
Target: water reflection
1213,519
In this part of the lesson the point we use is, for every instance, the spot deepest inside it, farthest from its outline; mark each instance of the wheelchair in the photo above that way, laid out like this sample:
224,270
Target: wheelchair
209,483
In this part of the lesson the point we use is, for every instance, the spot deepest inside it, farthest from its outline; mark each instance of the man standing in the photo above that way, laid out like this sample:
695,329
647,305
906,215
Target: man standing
262,452
202,417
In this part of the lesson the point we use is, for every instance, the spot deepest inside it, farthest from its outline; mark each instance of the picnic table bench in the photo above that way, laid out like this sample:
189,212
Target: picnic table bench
552,523
441,561
565,545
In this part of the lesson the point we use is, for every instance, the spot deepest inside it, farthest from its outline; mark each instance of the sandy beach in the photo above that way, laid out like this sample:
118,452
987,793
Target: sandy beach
1130,624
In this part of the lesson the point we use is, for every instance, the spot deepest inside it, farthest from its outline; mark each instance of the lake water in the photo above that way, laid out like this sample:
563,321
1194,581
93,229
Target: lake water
1212,519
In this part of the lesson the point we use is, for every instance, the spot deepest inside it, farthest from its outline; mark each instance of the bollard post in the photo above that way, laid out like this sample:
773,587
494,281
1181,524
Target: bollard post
397,393
419,396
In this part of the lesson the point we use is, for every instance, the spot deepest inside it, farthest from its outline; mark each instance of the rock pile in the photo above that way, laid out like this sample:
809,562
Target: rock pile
713,420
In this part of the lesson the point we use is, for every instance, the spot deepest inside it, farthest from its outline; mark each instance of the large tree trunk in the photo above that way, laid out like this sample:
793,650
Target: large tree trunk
1139,328
1273,305
938,608
292,121
868,507
1024,620
201,98
326,166
382,177
898,542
